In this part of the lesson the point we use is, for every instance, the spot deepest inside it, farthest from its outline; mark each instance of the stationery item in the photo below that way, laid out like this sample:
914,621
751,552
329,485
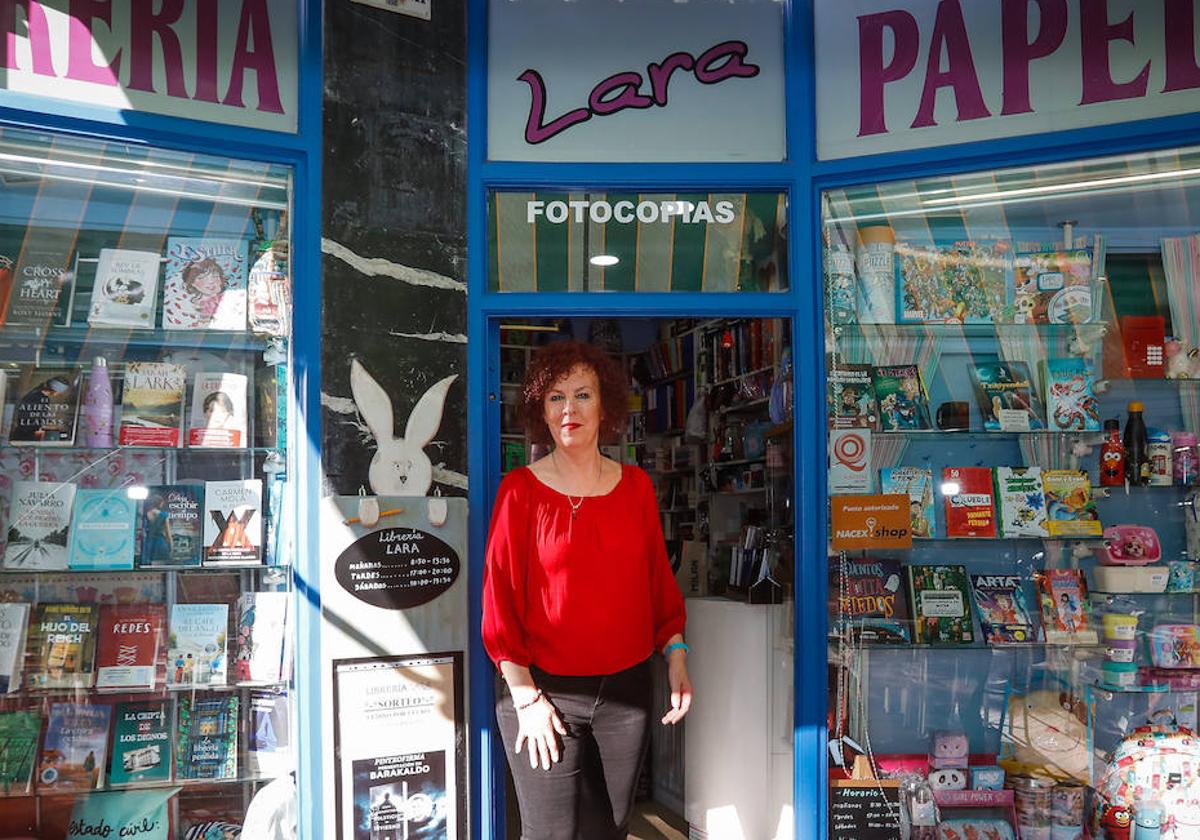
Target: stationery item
1053,286
967,494
1007,399
941,604
128,649
47,407
233,531
206,736
196,644
1183,576
1118,579
867,599
39,525
43,287
171,525
1070,508
75,750
901,397
1118,674
14,626
98,406
269,306
152,404
1071,404
917,484
103,529
1021,500
956,283
1185,458
62,642
218,411
1159,456
1004,613
1129,545
987,778
840,285
205,284
1143,345
141,743
954,416
850,461
850,397
1120,627
126,290
1116,650
1064,605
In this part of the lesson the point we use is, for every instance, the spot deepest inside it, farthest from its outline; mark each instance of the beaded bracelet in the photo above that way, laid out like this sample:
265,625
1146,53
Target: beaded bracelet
533,700
674,646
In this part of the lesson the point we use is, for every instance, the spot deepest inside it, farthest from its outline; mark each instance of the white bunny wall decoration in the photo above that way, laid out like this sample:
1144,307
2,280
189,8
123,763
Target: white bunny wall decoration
400,466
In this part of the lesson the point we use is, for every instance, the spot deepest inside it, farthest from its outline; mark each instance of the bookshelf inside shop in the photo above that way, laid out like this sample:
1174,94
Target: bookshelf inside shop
145,533
1014,557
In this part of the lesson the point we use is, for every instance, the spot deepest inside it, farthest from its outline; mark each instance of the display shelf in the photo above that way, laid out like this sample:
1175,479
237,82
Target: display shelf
103,337
980,436
981,645
671,377
730,379
740,462
749,405
190,570
161,692
102,451
746,491
1108,491
166,783
512,436
1093,329
672,471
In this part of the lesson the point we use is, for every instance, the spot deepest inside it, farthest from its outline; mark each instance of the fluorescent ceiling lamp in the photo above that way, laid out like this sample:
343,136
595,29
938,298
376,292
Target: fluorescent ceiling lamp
1070,186
604,260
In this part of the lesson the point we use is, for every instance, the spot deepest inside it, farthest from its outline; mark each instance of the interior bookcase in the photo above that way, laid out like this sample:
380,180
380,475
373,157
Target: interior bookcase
980,329
215,697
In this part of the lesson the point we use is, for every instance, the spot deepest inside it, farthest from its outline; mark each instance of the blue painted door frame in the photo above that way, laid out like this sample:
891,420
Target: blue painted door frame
302,152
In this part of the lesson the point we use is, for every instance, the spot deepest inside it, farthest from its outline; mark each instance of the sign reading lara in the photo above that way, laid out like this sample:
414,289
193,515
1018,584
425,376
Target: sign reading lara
397,568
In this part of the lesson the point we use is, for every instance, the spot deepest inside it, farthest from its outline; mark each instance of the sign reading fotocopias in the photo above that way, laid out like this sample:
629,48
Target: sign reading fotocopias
655,80
230,62
903,74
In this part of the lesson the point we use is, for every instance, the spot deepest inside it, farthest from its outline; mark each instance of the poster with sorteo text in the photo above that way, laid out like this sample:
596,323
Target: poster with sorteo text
400,744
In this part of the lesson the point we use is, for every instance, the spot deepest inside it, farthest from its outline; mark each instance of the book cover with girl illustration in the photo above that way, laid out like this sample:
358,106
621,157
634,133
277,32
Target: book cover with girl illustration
1063,596
205,285
1004,612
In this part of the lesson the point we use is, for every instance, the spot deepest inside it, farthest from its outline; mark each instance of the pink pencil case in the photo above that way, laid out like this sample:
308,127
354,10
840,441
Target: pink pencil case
1129,545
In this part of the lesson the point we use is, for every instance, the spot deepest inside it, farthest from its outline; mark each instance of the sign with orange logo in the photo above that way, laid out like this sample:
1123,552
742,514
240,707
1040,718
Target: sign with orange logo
880,521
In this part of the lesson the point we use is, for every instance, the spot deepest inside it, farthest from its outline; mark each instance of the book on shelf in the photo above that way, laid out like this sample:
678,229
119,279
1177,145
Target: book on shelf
268,734
1063,598
1021,502
141,743
867,595
43,287
46,408
7,278
206,737
233,530
1004,614
262,636
218,411
970,507
196,644
75,750
171,532
850,397
205,287
901,398
1054,286
512,455
125,293
62,645
270,407
14,629
6,495
1071,404
103,529
917,484
129,644
39,525
955,283
19,733
670,356
269,292
941,601
152,404
1070,508
1007,399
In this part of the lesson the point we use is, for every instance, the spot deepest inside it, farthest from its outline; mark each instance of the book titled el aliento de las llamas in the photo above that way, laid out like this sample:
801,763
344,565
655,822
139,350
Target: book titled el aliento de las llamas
205,287
103,529
233,522
47,407
152,404
39,525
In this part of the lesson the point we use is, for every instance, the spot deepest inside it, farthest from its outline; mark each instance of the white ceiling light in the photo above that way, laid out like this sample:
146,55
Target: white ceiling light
603,260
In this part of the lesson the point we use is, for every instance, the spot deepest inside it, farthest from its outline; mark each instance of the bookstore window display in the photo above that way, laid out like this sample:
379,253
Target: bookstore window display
1013,399
145,594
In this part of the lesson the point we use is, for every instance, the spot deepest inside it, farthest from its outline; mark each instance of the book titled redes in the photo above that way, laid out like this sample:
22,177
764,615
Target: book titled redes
233,528
130,639
152,404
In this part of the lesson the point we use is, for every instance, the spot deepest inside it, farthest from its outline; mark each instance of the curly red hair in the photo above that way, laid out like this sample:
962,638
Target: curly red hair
554,361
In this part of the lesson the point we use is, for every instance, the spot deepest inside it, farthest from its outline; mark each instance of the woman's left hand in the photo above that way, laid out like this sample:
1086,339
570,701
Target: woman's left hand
681,687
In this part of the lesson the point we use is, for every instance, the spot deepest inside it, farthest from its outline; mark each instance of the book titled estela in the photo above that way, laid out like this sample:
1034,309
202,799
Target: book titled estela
152,404
47,407
218,411
205,284
39,525
130,639
196,644
103,529
233,522
126,289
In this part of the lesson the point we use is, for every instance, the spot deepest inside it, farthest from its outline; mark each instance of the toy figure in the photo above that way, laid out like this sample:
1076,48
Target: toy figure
949,750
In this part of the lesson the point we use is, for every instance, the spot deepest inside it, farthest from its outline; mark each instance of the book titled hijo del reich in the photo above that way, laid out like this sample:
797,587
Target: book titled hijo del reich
205,284
233,522
62,641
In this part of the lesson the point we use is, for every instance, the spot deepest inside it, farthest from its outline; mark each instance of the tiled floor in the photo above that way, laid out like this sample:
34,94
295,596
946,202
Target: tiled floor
653,823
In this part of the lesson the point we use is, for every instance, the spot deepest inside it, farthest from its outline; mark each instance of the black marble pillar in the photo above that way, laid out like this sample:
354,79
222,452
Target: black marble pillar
394,229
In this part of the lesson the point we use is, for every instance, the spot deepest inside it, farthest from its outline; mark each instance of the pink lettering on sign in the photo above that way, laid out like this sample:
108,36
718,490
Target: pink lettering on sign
1095,34
950,36
1019,51
873,74
154,28
624,90
1179,23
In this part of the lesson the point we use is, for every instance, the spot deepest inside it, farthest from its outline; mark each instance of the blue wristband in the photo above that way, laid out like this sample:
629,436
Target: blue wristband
674,646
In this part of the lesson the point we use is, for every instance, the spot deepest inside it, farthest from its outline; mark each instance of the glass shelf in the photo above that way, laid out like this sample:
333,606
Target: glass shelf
1088,646
978,435
226,569
101,451
161,691
186,783
31,338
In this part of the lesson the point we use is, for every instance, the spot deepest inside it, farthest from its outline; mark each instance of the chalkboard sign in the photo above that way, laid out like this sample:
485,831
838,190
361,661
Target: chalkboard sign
864,811
397,568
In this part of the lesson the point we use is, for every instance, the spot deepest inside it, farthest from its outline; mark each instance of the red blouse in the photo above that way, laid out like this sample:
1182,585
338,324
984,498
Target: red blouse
583,596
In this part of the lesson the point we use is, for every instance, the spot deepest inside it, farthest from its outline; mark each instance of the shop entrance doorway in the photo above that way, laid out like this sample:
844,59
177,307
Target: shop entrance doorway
710,421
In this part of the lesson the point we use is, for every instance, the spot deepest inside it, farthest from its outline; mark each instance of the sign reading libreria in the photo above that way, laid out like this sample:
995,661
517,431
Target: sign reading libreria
225,61
652,80
905,74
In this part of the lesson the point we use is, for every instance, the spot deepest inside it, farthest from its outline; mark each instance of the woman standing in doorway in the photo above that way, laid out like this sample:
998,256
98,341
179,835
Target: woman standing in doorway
578,596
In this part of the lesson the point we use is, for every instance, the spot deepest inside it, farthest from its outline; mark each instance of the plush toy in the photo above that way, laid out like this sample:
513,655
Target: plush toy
950,778
949,750
1046,732
1179,362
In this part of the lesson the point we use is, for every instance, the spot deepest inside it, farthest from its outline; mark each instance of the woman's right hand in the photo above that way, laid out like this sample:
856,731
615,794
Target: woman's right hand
536,728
